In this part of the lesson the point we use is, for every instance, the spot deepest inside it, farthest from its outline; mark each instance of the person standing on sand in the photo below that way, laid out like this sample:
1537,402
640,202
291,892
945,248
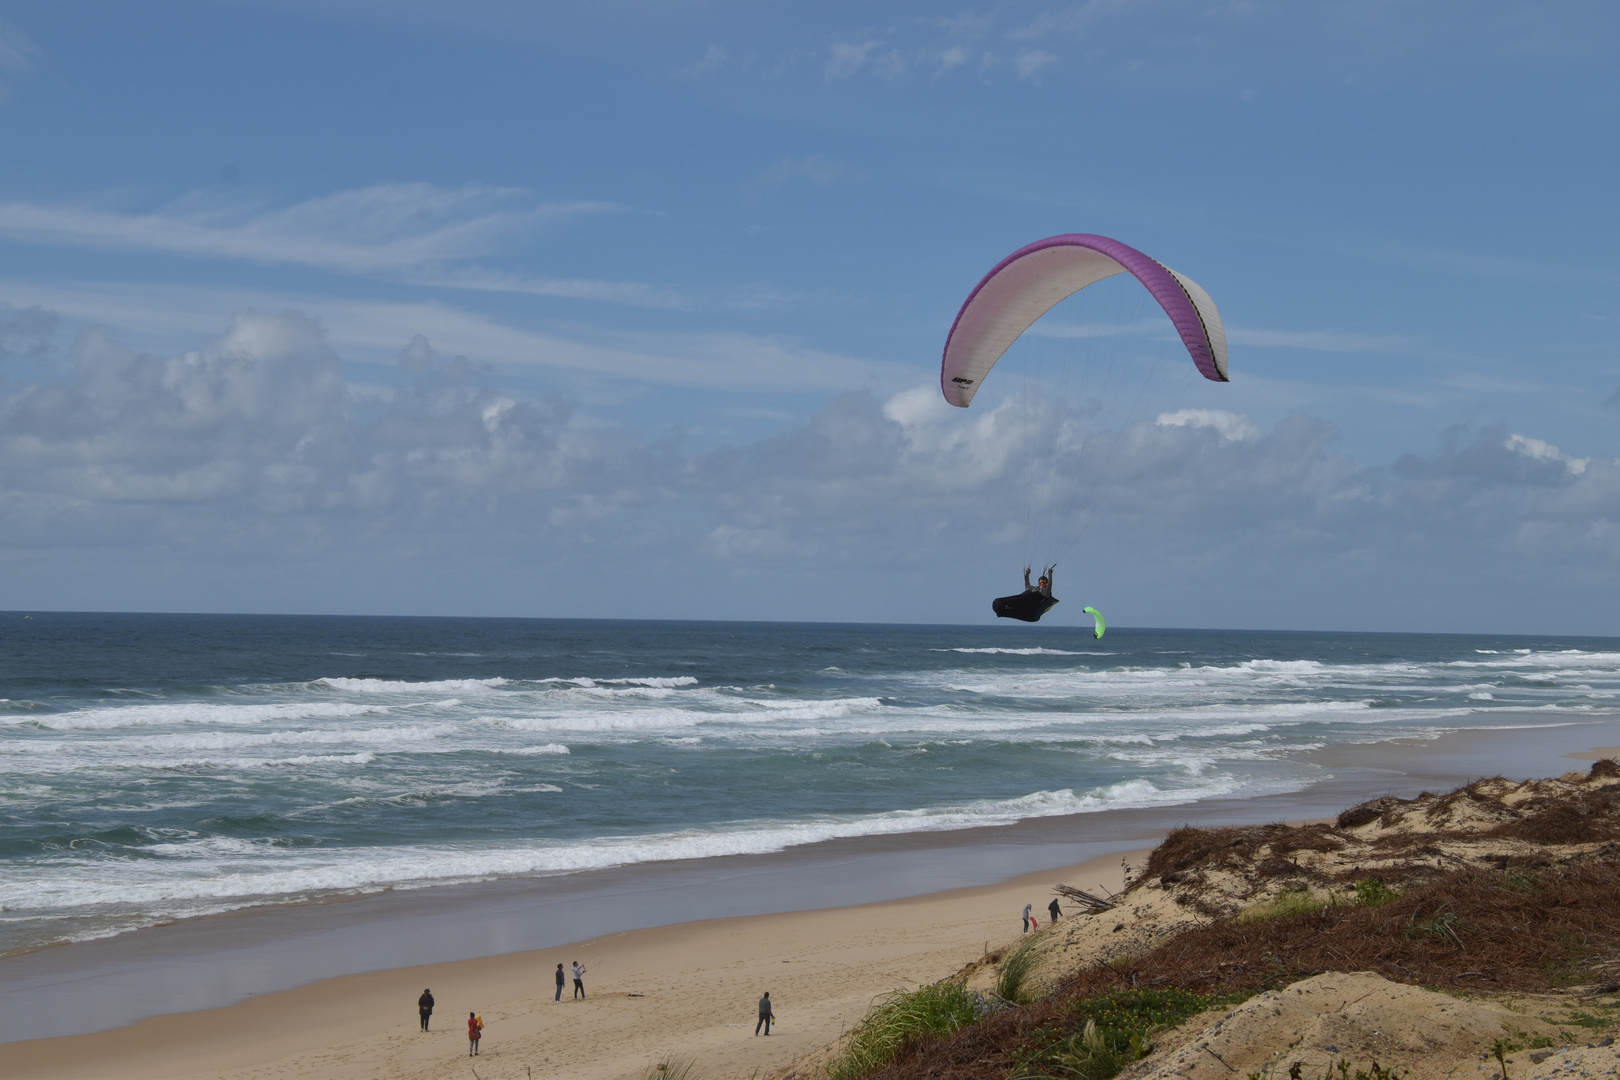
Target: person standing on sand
765,1014
1027,909
579,985
424,1005
475,1031
1057,912
561,981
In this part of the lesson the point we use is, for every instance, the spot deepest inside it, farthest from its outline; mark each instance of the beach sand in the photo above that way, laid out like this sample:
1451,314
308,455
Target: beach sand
683,990
1595,753
697,985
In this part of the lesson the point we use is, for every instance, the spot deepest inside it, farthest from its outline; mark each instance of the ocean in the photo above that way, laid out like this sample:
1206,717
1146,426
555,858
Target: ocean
162,767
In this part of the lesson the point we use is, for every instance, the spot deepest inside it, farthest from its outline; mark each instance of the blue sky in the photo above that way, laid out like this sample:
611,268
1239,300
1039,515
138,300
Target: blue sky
631,309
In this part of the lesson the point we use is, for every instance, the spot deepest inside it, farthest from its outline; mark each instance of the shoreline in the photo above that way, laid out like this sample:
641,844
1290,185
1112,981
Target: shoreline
252,954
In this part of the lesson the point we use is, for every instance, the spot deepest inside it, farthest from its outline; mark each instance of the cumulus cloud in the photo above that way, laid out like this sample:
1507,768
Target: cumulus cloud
253,442
260,421
1537,450
1232,427
25,332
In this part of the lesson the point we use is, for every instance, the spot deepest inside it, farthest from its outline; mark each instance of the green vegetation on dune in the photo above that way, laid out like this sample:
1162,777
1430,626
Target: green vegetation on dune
1292,902
939,1009
1098,1036
1012,978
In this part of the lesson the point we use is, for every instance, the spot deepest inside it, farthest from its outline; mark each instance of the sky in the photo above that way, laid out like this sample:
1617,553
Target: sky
634,310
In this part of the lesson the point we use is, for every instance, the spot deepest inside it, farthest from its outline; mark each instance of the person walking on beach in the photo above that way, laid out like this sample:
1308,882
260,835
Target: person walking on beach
1027,909
579,984
1057,912
475,1031
765,1014
561,981
424,1005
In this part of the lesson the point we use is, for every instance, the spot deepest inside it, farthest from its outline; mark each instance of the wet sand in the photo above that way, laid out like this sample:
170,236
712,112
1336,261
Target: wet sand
329,989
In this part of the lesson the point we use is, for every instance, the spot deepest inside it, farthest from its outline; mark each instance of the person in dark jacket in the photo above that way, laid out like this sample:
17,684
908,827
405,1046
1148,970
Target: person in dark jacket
1044,585
424,1005
562,980
765,1014
1057,912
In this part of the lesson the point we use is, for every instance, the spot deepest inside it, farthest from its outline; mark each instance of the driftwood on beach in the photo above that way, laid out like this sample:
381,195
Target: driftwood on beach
1094,905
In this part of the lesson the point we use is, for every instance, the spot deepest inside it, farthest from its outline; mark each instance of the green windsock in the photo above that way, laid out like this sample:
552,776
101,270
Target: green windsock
1101,625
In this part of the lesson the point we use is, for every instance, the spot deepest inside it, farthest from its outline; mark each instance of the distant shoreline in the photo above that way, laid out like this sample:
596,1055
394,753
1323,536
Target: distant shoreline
221,959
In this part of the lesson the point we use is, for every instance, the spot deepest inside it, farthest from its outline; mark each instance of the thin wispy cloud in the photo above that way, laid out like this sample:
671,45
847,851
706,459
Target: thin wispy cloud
17,56
370,329
627,293
1318,340
386,228
846,58
714,58
1030,63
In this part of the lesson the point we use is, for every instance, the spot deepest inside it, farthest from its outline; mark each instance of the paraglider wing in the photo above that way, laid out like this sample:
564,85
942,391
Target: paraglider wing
1101,627
1034,279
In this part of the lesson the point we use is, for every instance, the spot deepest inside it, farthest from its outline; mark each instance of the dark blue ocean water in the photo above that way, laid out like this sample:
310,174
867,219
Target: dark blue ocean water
155,767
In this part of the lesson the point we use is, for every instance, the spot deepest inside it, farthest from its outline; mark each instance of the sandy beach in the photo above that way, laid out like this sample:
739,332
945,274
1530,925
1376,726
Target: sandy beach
689,989
686,990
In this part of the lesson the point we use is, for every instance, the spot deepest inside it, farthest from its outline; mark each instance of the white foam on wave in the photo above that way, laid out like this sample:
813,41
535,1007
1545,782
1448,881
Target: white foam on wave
192,712
391,686
659,682
645,693
819,710
364,757
1565,662
1025,652
532,751
217,869
740,715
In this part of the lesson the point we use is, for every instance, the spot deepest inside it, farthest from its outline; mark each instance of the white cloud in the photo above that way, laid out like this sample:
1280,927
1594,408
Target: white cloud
1318,340
1030,62
954,57
388,228
252,446
17,55
1536,450
627,293
1232,427
374,329
847,58
714,58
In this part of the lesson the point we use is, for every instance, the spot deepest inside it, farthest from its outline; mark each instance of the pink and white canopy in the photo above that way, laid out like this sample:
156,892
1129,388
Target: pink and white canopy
1034,279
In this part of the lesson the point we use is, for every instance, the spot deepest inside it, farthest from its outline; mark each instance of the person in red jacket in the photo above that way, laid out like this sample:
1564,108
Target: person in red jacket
475,1029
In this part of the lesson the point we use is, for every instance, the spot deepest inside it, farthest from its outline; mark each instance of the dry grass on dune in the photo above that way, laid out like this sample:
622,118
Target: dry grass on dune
1466,929
1499,887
